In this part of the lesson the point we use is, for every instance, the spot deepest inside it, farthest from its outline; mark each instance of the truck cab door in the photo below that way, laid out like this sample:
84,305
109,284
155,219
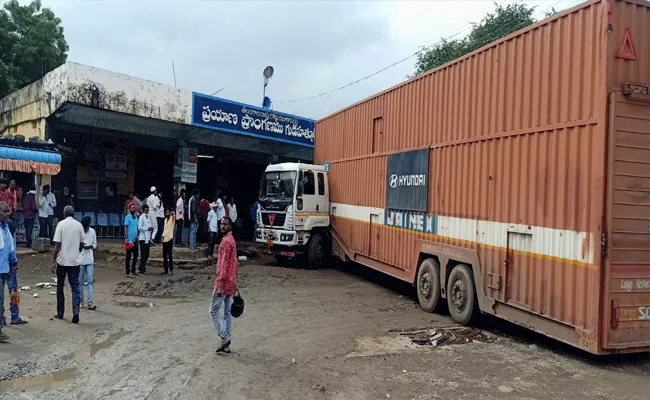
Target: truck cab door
322,192
307,196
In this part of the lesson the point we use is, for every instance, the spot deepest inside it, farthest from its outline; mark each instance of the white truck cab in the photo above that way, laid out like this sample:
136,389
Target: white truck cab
293,215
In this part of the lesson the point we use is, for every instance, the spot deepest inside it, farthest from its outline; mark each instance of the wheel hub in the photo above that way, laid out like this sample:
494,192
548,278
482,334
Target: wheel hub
459,294
425,285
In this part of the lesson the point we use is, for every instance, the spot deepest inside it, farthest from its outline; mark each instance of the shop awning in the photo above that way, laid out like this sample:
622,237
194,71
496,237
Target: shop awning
28,160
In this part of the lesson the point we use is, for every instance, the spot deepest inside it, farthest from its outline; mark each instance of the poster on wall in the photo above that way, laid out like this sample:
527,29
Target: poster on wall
186,159
87,190
20,228
116,166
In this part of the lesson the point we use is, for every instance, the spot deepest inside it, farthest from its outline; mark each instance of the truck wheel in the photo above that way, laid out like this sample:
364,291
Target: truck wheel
428,284
461,295
318,254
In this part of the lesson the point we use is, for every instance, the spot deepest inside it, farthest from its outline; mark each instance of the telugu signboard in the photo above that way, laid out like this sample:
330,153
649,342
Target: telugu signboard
407,180
215,113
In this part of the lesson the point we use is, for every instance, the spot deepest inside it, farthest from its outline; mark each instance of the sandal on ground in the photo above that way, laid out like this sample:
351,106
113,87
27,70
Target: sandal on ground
224,347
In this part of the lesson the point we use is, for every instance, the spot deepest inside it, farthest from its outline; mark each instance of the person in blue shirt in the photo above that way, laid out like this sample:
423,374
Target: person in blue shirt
8,267
131,241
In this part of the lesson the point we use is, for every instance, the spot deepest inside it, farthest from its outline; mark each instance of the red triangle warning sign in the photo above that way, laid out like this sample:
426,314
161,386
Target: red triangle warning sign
626,49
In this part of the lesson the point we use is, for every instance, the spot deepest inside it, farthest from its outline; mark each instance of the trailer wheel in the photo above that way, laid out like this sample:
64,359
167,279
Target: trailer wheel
461,295
318,254
428,284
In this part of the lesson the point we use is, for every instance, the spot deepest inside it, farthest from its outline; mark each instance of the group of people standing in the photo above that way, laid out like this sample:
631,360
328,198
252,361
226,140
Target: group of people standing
18,201
73,258
138,234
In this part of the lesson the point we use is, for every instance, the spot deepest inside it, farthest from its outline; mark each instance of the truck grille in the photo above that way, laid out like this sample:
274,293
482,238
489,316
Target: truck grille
279,219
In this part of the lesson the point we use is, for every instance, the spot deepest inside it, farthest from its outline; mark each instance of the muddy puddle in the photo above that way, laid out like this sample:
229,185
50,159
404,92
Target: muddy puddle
44,381
90,350
446,336
418,339
64,376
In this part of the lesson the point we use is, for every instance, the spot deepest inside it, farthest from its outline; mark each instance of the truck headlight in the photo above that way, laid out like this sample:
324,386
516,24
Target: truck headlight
286,237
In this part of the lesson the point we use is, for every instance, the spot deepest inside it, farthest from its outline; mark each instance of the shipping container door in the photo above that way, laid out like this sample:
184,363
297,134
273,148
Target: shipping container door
627,303
517,269
373,240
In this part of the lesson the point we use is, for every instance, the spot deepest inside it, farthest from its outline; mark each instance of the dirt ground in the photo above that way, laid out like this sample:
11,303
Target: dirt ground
342,333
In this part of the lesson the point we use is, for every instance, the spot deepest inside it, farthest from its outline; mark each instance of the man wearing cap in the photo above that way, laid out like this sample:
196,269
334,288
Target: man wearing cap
153,201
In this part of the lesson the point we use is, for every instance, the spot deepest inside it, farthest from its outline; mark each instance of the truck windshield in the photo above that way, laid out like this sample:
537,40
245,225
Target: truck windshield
279,184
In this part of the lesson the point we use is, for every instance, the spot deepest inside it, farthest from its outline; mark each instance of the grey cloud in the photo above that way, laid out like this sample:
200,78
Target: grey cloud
219,44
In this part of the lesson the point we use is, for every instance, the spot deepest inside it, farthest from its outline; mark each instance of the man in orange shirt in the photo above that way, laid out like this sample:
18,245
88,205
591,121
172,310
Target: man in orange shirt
225,286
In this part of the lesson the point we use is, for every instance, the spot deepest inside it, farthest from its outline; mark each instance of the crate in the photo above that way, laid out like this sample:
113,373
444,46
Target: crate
41,245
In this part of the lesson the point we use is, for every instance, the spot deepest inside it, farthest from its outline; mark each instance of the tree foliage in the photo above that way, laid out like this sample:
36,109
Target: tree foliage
31,44
505,20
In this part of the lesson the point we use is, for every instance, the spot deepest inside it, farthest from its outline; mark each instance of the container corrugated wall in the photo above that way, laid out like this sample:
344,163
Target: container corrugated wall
517,136
548,75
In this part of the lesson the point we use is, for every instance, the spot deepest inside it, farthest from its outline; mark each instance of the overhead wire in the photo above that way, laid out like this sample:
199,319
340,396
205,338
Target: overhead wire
327,93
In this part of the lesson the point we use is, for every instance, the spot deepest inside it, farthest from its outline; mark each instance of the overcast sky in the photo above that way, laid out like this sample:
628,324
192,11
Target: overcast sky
314,46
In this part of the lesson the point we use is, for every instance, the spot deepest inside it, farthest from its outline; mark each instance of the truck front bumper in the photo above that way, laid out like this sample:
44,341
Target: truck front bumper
277,237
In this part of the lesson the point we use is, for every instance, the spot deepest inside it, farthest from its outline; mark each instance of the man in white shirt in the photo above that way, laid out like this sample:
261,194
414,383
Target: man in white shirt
153,201
68,242
46,204
213,228
221,212
86,263
144,236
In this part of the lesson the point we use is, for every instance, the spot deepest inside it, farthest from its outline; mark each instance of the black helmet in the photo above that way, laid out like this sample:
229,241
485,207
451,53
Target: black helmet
237,307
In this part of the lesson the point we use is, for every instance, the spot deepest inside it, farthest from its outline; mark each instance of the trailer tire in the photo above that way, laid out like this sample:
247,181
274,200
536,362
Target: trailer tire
318,251
428,284
461,295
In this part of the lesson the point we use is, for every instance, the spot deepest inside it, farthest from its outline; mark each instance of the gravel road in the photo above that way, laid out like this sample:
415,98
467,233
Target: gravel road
342,333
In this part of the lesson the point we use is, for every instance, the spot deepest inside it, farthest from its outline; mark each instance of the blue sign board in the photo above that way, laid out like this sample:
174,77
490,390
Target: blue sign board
224,115
407,180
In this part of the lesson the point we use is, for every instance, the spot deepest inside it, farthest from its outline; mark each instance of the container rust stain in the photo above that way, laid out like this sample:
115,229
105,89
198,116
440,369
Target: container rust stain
538,175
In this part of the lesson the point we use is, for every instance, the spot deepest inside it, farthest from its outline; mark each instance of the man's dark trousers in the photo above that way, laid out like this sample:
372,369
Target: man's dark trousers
132,252
73,280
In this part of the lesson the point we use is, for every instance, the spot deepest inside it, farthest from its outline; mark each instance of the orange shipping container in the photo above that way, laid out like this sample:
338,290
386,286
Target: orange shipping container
538,177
